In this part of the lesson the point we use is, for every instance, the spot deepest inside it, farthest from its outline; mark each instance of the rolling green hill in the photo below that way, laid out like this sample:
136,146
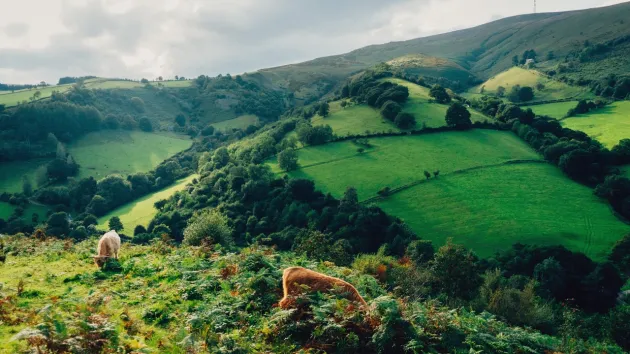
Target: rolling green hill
551,89
482,197
484,50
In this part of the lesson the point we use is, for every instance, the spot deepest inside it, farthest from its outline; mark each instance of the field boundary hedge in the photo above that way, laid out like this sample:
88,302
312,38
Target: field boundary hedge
464,170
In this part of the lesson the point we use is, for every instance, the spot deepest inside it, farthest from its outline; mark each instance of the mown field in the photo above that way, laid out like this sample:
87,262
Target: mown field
608,125
240,122
554,110
123,152
492,208
397,161
141,211
431,115
553,89
355,119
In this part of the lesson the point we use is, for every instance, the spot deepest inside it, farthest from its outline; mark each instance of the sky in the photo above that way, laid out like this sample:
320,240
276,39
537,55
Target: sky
42,40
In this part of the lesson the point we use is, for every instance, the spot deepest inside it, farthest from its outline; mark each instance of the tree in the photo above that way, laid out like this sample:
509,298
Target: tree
115,223
455,272
176,77
439,93
390,110
324,109
27,186
350,201
427,174
500,91
144,81
208,226
525,94
420,252
515,60
180,119
58,225
160,78
288,160
139,229
343,104
620,255
514,94
550,55
458,116
345,91
145,124
138,104
405,120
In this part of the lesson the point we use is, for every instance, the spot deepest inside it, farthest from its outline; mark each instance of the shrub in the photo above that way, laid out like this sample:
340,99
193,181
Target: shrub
208,226
405,120
138,104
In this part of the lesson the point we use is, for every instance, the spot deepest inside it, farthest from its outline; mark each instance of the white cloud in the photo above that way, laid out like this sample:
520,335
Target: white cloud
46,39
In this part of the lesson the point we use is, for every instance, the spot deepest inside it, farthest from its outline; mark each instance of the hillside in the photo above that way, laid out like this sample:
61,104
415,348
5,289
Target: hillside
484,50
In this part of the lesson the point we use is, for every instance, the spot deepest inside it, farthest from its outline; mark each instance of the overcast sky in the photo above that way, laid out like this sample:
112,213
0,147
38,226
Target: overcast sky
47,39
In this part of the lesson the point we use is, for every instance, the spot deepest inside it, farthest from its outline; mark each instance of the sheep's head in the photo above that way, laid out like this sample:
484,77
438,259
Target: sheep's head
100,260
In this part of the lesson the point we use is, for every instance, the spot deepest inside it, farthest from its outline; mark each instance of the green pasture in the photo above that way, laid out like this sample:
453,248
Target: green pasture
141,211
552,90
355,119
397,161
608,125
11,173
554,110
240,122
6,210
123,152
9,98
431,115
492,208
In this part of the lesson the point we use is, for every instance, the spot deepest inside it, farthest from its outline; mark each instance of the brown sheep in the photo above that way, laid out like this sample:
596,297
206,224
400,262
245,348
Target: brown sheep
294,277
108,246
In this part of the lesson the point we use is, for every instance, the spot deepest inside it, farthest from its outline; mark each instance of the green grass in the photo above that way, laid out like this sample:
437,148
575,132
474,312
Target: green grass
490,209
141,211
553,90
397,161
554,110
123,152
177,83
113,84
11,173
430,114
608,125
240,122
13,98
7,209
356,119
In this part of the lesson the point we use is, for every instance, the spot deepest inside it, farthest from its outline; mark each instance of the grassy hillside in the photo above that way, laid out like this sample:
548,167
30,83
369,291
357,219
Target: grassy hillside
240,122
423,65
123,152
6,210
173,300
141,211
554,110
553,90
490,209
429,114
11,173
354,119
608,125
484,50
397,161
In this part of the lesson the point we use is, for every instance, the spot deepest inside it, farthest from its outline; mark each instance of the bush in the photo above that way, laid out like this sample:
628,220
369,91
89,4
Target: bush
138,104
208,226
405,120
390,110
288,160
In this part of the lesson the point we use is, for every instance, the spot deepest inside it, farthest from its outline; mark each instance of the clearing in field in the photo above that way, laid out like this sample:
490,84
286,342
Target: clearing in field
428,114
398,161
553,90
490,209
11,174
608,125
141,211
241,122
355,119
556,110
123,152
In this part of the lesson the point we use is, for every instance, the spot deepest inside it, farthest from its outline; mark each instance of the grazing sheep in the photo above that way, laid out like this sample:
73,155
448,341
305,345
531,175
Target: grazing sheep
294,277
108,246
